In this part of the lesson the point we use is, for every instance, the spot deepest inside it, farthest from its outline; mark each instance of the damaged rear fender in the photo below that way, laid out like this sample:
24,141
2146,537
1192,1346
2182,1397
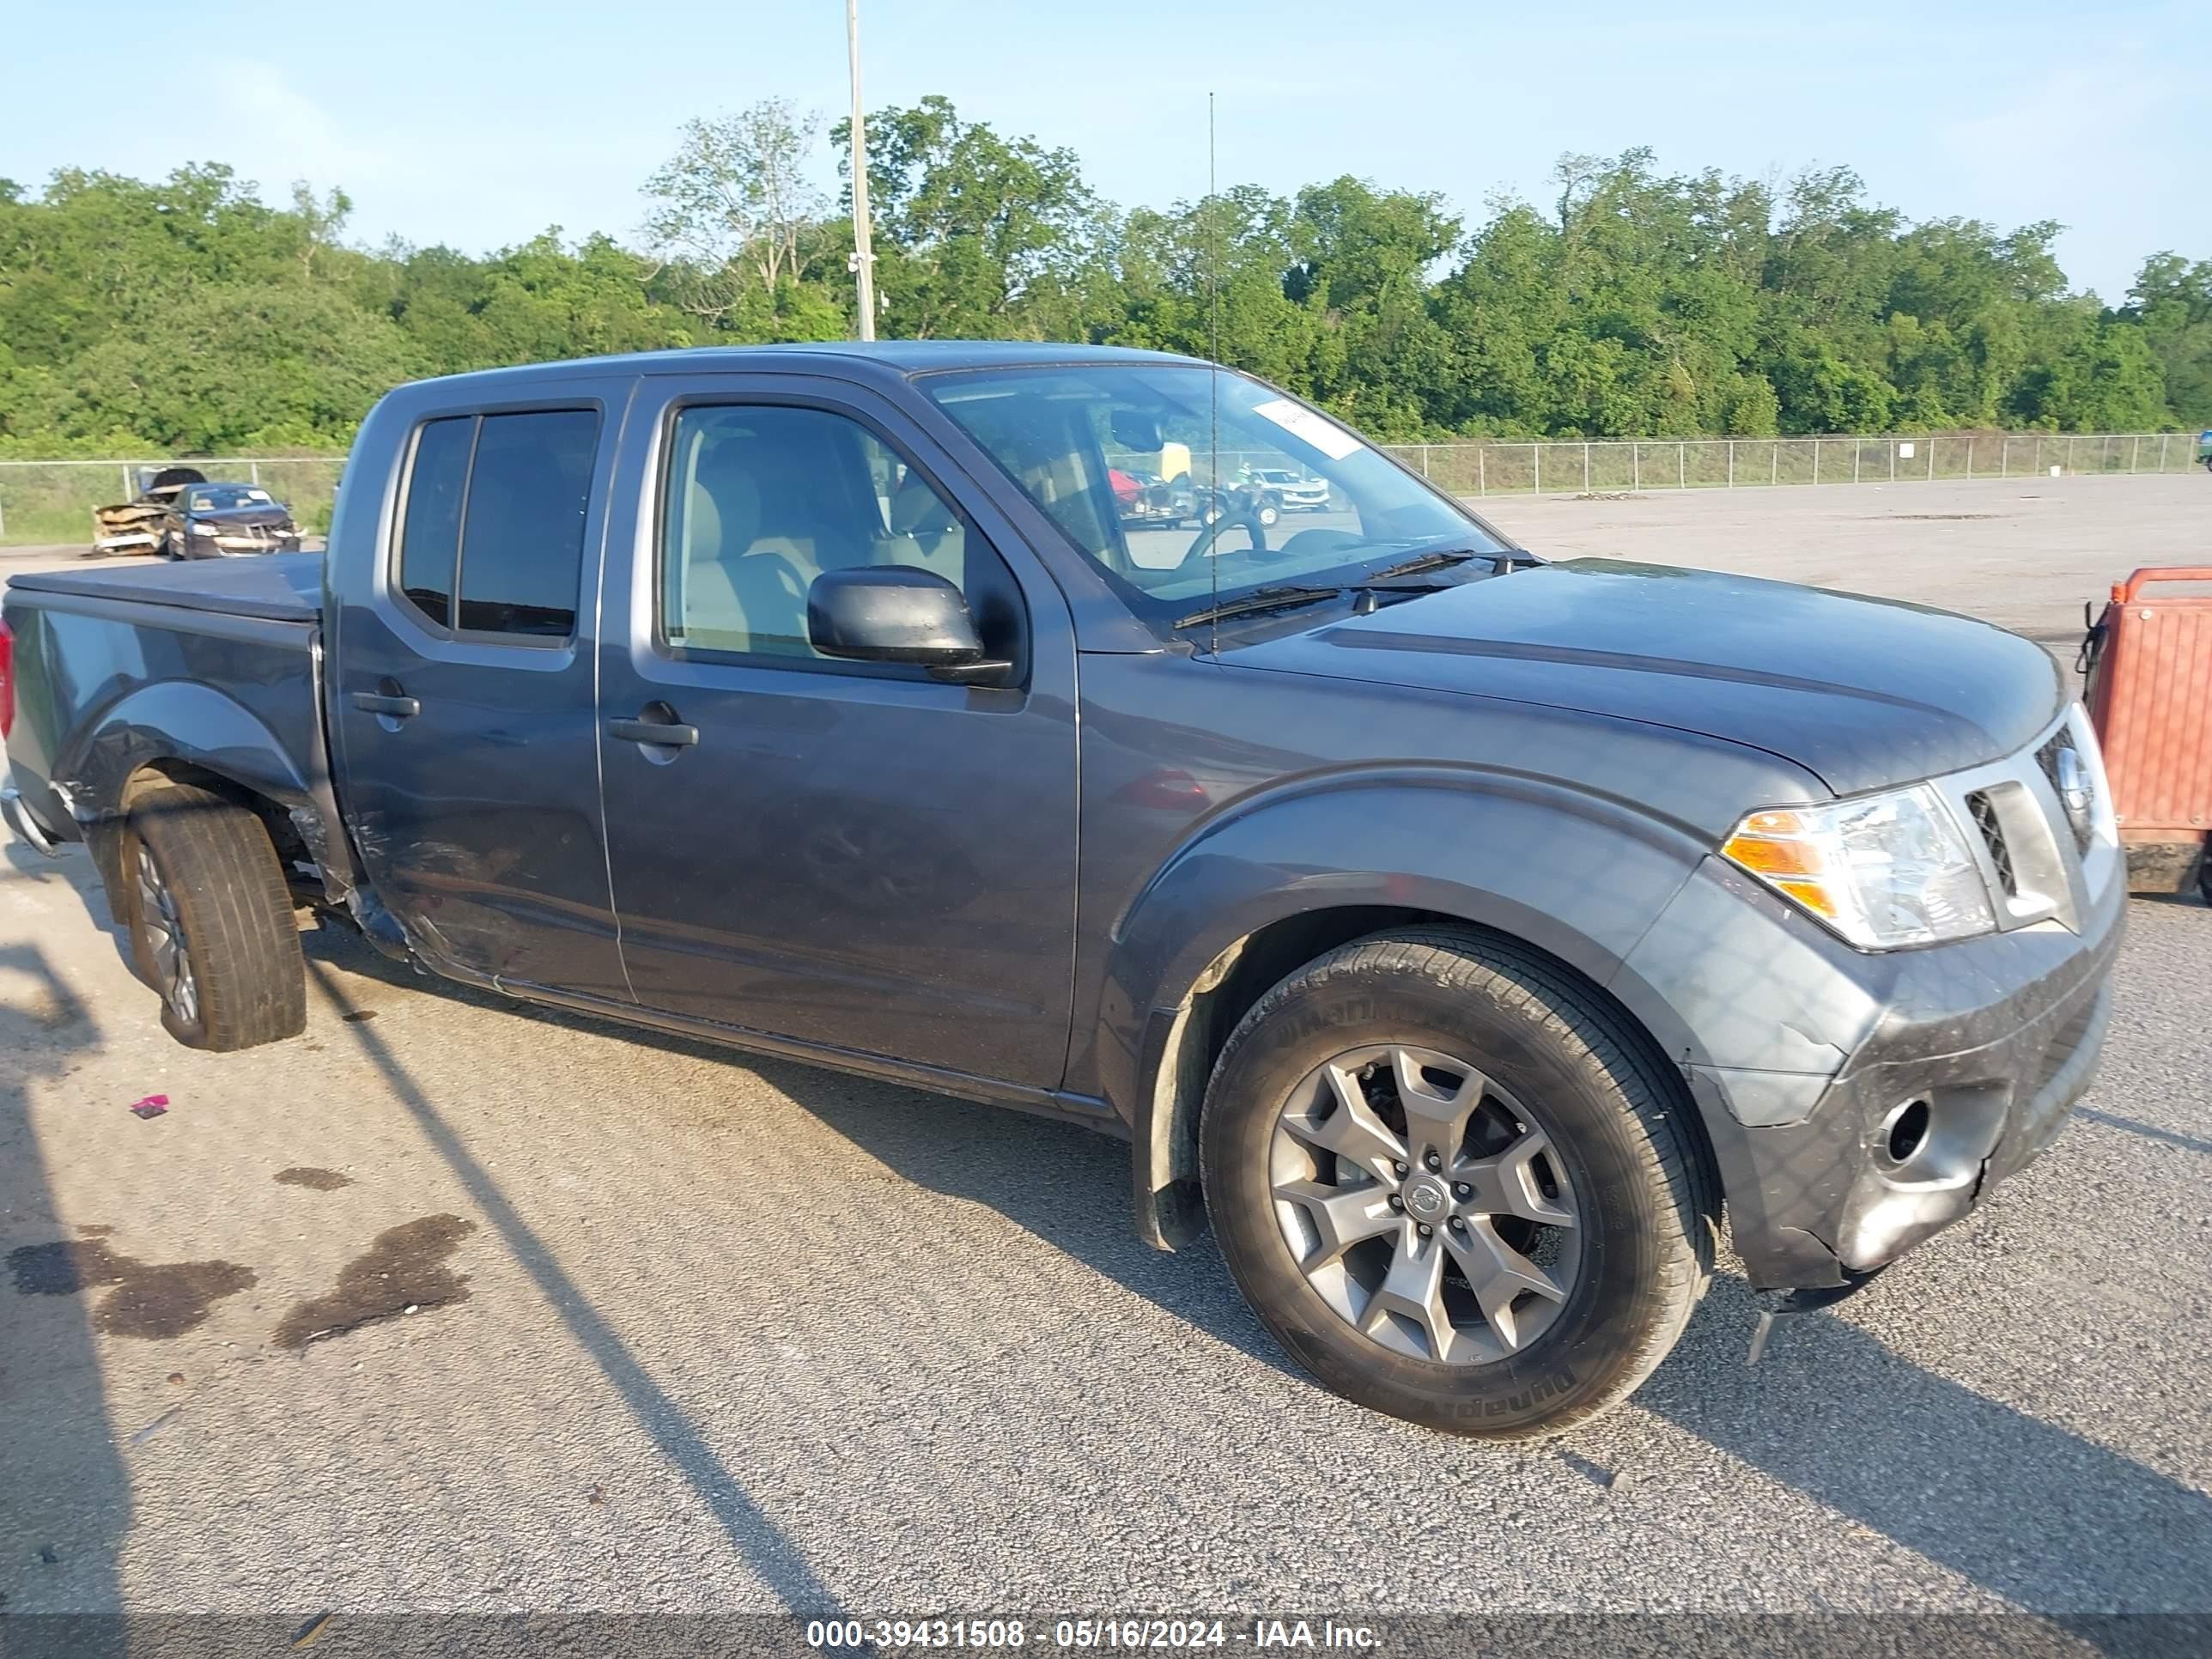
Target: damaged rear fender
173,728
177,722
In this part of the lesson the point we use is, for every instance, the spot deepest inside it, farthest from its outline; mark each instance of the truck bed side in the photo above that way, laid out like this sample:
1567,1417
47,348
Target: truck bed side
210,672
275,587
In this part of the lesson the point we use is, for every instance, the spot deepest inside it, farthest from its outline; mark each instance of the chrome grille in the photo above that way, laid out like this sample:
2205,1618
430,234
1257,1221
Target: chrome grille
2043,859
1993,837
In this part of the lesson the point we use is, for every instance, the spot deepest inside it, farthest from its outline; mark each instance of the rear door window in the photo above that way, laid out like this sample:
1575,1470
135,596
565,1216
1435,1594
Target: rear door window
495,515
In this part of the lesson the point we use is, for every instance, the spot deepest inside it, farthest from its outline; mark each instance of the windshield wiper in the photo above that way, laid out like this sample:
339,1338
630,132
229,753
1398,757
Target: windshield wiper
1259,599
1503,558
1436,560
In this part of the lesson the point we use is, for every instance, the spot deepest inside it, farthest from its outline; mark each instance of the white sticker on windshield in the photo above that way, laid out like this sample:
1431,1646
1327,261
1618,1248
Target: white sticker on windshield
1332,439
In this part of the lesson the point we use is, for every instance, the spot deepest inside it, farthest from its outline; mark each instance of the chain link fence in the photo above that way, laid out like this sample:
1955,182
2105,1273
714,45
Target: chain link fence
51,502
1610,466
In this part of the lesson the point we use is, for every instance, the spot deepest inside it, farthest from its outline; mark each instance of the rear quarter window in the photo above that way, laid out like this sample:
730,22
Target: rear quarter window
430,534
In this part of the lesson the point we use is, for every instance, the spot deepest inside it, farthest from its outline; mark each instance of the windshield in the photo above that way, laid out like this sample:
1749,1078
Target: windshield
220,497
1124,459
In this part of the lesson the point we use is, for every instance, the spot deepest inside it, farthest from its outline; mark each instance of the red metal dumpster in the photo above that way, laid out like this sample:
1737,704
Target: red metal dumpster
2149,662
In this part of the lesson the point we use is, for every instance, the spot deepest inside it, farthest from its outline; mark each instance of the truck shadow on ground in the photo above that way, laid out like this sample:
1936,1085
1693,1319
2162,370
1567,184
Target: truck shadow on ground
2025,1508
64,1490
65,1503
765,1547
2148,1131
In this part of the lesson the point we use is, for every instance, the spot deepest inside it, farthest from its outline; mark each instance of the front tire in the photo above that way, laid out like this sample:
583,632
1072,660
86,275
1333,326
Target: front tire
212,922
1456,1185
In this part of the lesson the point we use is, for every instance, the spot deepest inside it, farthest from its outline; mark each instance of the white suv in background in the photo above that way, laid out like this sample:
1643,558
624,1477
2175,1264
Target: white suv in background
1292,492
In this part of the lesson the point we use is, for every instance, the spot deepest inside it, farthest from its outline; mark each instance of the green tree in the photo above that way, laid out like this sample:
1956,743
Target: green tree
2170,302
733,219
978,235
230,365
187,312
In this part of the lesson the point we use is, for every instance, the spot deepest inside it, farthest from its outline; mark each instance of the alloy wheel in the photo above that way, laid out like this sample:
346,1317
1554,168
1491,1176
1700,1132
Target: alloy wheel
1426,1204
165,940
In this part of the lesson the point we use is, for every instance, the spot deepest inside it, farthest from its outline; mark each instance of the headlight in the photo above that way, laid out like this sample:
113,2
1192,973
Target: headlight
195,528
1883,870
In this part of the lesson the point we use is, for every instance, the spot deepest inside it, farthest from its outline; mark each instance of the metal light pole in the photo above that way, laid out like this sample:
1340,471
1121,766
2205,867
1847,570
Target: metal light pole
863,258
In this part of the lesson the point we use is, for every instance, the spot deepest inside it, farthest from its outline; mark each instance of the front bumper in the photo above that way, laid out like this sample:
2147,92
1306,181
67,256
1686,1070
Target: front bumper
231,545
1992,1039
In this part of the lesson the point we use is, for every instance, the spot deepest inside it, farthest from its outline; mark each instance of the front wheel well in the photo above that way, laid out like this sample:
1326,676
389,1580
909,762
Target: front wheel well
1171,1204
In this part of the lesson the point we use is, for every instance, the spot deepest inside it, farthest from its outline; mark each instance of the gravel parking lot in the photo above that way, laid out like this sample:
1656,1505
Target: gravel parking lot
685,1330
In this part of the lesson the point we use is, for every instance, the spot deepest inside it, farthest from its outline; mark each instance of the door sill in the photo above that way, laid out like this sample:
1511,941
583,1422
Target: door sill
1086,1109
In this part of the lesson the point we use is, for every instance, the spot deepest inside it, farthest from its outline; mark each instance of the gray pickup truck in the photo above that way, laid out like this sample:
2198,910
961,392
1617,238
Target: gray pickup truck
1463,934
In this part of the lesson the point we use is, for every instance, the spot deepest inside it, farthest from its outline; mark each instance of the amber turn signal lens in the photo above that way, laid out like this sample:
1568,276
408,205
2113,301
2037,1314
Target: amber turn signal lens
1774,857
1810,894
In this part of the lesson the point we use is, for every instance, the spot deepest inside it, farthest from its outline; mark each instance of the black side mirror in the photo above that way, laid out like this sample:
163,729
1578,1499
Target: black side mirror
895,613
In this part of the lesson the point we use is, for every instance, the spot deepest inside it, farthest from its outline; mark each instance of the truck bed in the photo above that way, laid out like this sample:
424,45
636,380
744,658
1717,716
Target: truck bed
271,588
218,656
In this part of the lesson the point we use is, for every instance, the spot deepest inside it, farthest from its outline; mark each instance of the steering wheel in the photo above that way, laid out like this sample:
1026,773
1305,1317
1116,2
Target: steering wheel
1202,543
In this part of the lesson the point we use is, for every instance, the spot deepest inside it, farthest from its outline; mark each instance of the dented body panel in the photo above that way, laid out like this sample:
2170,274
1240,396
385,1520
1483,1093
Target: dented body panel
477,819
224,683
1058,894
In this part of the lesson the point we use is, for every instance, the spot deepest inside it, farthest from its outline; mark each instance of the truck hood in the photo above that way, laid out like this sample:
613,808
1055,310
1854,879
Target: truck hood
1862,692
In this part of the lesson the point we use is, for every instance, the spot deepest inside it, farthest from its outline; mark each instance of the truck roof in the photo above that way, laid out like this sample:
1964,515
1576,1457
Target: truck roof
899,357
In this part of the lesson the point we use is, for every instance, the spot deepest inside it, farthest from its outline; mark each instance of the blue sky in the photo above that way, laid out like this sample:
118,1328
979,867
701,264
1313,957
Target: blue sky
480,125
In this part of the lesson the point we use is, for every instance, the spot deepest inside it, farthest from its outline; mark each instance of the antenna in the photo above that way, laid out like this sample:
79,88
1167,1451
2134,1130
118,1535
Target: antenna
1212,230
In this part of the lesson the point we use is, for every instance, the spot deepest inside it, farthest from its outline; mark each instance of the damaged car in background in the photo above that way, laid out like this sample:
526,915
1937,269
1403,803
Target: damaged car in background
180,514
137,525
221,520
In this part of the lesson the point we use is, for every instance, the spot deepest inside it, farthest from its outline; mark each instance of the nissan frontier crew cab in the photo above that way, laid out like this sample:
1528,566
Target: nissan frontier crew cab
1464,935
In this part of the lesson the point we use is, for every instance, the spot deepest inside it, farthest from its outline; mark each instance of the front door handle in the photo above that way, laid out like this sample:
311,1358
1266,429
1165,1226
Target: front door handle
379,702
669,732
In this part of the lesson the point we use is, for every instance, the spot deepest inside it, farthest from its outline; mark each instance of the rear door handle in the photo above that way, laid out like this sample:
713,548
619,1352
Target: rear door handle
377,702
668,733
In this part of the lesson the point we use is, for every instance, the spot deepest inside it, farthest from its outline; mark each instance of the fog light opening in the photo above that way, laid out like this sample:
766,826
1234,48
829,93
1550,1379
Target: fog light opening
1908,1130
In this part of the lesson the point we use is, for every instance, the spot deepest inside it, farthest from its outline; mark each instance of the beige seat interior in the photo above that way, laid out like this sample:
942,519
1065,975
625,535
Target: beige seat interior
771,506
